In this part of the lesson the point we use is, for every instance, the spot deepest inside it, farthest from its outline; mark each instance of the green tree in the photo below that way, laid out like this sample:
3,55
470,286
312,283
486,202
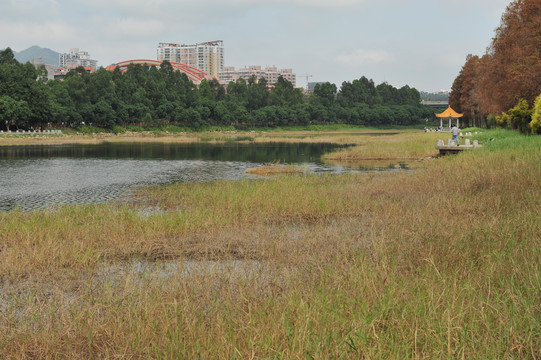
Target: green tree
19,81
166,69
284,93
388,94
156,89
324,94
362,90
147,120
236,91
100,86
77,90
221,114
103,114
191,117
61,102
13,112
204,89
205,111
535,124
238,113
408,96
503,120
257,93
217,90
7,57
320,114
520,115
302,114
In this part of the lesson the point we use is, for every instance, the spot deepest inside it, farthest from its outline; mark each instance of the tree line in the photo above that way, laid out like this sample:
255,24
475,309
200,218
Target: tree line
501,86
156,97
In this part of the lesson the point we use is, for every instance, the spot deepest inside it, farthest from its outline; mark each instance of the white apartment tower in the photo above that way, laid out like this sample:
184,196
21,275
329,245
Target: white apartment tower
76,58
207,56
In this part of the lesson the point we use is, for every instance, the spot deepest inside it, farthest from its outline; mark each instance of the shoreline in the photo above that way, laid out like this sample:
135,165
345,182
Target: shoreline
363,144
218,136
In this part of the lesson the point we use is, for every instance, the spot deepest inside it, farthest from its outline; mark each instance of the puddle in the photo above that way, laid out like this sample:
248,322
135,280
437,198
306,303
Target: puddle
31,305
146,270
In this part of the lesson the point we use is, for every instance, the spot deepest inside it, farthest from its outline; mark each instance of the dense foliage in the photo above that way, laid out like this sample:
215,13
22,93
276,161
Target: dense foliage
154,97
508,73
439,96
23,100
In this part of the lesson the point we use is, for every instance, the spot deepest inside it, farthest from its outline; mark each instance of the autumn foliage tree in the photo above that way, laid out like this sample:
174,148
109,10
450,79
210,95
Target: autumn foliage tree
509,71
462,92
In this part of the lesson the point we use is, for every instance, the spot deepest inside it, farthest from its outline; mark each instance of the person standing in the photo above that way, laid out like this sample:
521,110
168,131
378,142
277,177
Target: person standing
455,133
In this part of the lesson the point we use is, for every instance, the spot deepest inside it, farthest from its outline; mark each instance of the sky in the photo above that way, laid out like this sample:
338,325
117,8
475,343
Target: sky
420,43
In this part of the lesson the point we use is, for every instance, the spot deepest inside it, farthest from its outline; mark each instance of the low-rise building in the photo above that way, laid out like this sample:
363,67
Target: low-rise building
77,58
38,63
270,73
60,73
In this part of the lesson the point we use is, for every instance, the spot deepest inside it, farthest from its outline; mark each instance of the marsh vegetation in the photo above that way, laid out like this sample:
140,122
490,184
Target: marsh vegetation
440,262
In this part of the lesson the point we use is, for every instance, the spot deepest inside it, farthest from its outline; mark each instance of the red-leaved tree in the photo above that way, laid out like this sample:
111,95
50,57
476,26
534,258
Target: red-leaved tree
509,71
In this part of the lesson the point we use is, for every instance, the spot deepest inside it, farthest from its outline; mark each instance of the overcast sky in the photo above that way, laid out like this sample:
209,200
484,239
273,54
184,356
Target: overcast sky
420,43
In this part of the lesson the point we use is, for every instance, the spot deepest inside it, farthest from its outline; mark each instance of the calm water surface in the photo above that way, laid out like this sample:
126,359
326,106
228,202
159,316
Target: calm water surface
33,177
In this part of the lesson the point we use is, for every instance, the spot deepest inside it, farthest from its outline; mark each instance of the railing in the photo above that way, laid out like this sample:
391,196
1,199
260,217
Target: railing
19,132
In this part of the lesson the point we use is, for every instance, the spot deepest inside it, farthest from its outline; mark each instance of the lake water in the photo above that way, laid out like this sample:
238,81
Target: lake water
33,177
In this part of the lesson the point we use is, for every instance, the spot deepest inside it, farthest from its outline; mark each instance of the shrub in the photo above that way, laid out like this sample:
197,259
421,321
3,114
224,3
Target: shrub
535,124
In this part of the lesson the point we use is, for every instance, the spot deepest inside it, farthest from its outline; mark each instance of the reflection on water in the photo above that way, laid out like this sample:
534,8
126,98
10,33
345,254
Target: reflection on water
286,153
33,177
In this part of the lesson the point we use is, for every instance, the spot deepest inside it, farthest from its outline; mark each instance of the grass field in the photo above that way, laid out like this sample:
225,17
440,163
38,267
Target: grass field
440,262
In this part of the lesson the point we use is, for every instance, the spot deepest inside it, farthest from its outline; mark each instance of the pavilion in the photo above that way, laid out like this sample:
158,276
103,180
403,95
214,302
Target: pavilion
449,114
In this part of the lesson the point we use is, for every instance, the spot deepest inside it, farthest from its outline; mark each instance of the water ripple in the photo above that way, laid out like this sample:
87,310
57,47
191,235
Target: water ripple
39,177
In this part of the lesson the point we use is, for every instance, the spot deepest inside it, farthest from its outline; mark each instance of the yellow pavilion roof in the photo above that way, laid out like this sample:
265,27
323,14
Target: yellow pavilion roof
449,113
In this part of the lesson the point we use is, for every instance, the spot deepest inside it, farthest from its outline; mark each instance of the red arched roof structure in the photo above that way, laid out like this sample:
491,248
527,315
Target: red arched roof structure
193,74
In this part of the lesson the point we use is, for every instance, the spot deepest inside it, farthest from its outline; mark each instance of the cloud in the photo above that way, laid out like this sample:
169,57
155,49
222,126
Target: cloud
136,27
311,3
492,8
214,6
31,33
362,57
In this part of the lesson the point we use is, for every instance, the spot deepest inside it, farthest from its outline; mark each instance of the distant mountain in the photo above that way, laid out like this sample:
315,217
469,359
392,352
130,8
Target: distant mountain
48,56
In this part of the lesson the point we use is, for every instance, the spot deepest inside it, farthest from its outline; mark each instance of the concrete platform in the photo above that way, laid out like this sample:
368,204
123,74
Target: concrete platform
452,148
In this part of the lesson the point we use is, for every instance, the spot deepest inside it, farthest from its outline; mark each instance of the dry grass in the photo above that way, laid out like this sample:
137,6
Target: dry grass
97,139
401,146
331,136
441,262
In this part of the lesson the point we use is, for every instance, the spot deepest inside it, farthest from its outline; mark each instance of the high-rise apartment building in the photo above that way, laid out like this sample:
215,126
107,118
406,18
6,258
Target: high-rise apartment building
207,56
77,58
270,73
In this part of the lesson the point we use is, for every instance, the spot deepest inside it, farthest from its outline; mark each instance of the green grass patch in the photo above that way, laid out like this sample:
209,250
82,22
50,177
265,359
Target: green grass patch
174,129
92,130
